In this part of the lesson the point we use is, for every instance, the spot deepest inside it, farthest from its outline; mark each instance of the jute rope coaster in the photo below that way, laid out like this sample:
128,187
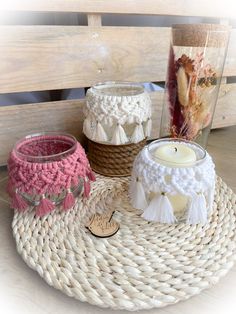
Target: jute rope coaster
144,265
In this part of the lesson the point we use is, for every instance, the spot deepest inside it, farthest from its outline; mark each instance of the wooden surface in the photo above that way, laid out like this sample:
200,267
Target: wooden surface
24,292
18,121
21,120
204,8
42,57
59,57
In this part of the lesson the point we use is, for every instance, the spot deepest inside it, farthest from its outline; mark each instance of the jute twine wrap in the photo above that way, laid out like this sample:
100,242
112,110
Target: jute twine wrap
145,265
113,160
200,35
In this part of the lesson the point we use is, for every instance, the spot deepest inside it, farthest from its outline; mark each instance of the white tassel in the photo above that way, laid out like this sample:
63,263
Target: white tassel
160,210
137,195
148,127
87,130
119,137
138,134
197,212
100,134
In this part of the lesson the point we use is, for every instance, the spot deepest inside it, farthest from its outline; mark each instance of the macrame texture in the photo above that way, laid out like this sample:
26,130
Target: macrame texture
44,180
197,183
131,112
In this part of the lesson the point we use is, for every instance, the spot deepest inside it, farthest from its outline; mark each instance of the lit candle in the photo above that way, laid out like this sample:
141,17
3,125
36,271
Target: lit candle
173,181
176,155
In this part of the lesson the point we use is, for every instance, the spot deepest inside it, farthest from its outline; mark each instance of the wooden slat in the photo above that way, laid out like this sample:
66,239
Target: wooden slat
59,57
18,121
210,8
94,19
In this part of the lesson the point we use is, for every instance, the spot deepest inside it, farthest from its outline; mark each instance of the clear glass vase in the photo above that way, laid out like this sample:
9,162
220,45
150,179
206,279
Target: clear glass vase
46,148
117,113
196,61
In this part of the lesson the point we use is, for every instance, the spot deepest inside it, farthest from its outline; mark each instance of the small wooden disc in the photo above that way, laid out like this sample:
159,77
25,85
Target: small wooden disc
102,225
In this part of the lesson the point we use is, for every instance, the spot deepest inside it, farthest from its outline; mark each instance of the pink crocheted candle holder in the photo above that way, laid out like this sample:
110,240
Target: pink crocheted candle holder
47,165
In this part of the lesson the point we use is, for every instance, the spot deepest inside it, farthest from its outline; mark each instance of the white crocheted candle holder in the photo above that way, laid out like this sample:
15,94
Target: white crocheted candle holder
117,113
152,183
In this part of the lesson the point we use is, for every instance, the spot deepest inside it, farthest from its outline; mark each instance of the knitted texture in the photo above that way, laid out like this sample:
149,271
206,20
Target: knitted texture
47,178
117,114
187,181
143,266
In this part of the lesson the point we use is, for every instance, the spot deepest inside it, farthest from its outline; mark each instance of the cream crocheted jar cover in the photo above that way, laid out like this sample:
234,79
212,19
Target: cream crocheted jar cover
145,265
187,181
112,104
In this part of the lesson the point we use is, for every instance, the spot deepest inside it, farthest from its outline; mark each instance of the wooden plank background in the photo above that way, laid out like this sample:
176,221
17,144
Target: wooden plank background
18,121
41,57
210,8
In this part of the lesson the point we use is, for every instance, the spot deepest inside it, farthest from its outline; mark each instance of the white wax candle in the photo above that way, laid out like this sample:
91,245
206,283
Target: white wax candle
175,155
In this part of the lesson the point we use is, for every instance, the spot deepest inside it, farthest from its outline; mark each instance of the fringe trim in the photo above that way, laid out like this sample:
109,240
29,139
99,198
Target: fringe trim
45,207
69,200
197,212
100,134
138,134
119,137
160,210
137,195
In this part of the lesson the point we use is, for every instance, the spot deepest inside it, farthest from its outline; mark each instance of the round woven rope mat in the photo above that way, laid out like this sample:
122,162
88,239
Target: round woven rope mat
144,265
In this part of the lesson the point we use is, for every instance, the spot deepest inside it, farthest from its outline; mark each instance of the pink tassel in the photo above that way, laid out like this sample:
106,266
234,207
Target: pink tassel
74,181
45,206
86,188
18,203
91,176
69,201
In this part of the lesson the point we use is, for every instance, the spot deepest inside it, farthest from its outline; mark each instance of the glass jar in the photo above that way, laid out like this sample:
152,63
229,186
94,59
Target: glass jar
173,180
43,152
196,60
182,156
117,113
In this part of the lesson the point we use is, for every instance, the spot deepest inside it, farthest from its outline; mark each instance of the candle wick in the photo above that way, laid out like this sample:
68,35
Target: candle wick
176,149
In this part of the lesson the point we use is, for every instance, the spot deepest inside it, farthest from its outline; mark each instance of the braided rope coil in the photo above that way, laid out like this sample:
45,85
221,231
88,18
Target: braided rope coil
113,160
145,265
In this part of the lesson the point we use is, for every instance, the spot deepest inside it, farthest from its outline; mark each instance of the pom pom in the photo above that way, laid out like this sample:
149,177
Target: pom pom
45,207
69,201
18,202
